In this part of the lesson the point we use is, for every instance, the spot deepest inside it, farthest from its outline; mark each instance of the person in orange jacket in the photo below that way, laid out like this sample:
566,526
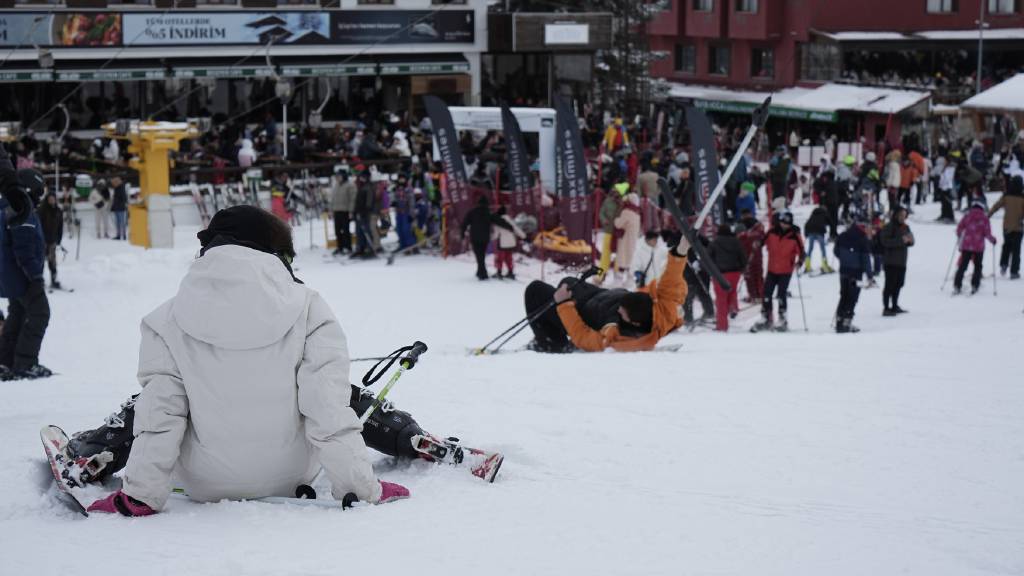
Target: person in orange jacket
785,254
592,319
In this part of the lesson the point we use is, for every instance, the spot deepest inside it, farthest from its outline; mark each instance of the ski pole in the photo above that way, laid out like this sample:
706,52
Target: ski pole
800,291
952,257
758,120
995,271
407,363
529,317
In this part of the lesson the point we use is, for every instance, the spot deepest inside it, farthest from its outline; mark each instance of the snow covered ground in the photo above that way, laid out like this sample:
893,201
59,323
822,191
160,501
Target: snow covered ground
896,451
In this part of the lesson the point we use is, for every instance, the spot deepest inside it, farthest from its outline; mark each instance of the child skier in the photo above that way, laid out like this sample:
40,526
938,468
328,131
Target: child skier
973,229
506,242
853,249
815,229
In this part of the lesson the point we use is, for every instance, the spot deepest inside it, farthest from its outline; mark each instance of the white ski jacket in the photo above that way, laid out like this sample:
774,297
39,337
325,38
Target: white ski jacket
245,389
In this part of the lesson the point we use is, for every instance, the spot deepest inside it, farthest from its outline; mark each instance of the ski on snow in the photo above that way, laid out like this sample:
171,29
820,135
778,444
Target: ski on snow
55,443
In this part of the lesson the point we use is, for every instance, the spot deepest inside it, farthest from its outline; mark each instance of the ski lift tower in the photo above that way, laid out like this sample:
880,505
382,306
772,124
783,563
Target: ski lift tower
150,143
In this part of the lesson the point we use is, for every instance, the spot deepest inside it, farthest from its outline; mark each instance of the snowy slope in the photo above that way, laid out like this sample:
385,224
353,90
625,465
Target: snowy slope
896,451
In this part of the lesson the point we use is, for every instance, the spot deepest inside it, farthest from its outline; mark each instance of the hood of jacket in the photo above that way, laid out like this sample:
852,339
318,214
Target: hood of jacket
238,298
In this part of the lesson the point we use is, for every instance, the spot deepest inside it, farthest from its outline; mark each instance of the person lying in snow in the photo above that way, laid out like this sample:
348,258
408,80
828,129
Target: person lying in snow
592,319
238,402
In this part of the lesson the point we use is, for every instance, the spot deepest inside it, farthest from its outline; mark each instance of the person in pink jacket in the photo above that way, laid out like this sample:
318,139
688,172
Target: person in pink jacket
973,230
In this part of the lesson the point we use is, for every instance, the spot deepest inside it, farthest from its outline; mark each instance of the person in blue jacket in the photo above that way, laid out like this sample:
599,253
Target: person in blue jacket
853,249
22,260
747,199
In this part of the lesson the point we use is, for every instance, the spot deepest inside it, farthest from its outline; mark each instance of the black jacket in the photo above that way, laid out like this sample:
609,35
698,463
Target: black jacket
478,221
119,202
727,252
52,220
853,250
894,244
597,306
818,223
366,199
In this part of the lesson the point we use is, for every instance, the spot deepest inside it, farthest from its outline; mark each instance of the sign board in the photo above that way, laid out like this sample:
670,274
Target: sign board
557,34
196,28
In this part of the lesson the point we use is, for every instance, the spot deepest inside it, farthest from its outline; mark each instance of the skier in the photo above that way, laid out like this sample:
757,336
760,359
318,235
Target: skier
119,207
51,218
365,208
1013,224
895,238
592,319
343,202
627,227
752,239
22,257
973,229
650,258
785,253
746,200
609,211
263,393
506,242
815,228
728,255
853,250
479,223
946,191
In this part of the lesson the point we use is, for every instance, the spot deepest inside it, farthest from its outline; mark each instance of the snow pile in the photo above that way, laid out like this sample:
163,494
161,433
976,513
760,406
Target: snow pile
896,451
1007,95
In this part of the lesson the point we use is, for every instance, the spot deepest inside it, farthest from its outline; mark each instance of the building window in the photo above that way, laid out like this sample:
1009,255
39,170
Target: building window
718,60
762,63
703,5
942,6
686,58
820,61
1002,6
746,6
361,2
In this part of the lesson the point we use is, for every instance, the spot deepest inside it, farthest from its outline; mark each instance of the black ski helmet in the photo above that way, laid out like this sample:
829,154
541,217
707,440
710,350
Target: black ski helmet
33,183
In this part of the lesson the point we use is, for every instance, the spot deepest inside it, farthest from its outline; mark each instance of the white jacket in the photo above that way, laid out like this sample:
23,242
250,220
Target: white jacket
508,239
245,389
643,261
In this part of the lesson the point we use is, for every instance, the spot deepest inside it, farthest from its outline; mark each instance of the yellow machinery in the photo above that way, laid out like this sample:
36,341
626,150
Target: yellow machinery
150,143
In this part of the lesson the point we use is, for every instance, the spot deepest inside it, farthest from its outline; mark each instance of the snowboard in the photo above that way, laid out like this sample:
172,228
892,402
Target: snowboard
482,464
55,443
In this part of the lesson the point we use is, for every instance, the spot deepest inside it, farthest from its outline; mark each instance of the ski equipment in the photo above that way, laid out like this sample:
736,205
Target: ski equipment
702,254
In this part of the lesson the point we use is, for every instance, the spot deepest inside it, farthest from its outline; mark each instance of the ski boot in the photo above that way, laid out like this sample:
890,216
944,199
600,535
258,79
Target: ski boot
33,372
764,324
825,268
845,326
388,430
807,266
782,325
483,465
100,452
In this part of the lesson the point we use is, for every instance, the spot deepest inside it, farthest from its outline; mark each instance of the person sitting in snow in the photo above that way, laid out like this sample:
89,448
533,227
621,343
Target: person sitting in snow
236,402
581,315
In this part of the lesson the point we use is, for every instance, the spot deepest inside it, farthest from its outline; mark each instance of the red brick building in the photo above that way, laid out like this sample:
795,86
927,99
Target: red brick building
770,44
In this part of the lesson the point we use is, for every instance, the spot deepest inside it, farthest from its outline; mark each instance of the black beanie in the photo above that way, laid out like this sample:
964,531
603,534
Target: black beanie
640,308
251,227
